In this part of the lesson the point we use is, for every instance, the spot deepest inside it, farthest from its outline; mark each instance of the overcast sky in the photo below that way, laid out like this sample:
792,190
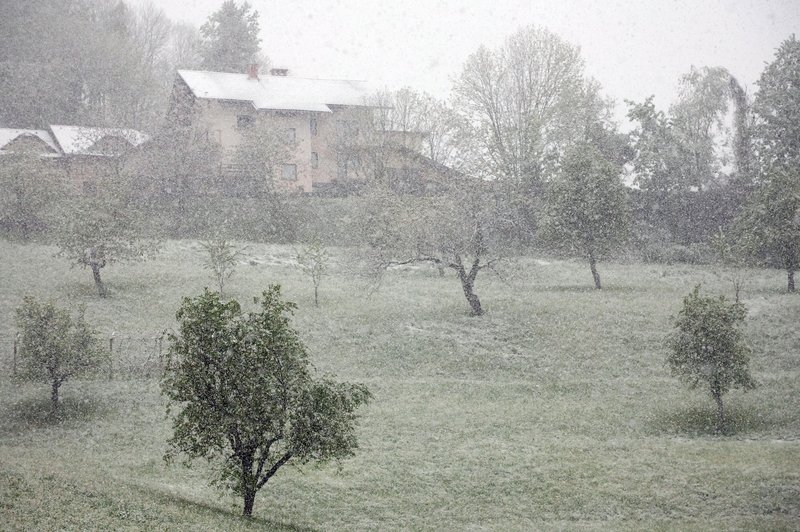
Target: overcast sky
633,48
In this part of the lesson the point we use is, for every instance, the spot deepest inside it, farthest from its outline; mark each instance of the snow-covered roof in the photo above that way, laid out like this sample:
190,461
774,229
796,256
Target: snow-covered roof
276,92
78,140
8,135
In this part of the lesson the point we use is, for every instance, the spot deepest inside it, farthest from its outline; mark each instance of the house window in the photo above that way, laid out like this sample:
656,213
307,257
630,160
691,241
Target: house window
291,134
244,121
289,172
313,126
314,160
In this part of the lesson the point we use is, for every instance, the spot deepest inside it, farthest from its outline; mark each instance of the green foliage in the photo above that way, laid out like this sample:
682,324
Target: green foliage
29,187
313,259
221,258
98,231
230,38
777,104
587,210
769,226
53,346
709,347
245,396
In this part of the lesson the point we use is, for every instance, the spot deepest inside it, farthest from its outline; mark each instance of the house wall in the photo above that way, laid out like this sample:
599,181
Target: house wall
221,120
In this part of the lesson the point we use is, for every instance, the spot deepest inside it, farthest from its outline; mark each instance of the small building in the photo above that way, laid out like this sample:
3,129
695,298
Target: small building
82,155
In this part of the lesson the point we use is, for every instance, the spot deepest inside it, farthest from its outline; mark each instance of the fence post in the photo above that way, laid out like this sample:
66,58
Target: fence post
14,357
111,358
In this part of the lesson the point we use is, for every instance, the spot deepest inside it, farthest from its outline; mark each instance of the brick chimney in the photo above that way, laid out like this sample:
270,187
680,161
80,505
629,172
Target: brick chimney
252,71
283,72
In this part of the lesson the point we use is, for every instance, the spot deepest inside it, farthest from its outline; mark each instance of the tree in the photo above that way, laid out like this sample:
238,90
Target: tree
709,347
258,158
29,187
221,259
313,259
587,207
769,226
692,182
459,229
777,106
245,395
230,38
523,103
98,232
54,347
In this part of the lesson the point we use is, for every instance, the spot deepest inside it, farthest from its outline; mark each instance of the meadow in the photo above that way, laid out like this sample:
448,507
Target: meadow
553,411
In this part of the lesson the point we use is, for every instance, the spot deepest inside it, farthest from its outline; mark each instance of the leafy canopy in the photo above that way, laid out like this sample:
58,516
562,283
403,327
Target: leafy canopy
54,346
708,345
587,205
245,397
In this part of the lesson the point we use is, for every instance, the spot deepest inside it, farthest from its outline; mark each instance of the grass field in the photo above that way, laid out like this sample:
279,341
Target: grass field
553,411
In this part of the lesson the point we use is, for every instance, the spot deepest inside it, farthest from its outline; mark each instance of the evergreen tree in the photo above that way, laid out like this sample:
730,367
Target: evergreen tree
230,38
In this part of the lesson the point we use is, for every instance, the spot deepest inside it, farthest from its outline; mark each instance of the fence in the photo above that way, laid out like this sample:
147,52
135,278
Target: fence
128,357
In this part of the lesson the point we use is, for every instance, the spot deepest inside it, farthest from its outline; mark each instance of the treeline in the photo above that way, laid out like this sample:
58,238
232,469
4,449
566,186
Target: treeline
528,152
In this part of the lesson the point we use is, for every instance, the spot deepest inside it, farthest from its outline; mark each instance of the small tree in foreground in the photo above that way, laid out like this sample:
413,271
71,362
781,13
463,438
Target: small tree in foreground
54,346
709,347
245,396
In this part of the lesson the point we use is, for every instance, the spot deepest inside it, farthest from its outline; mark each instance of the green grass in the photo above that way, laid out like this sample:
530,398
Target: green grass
553,411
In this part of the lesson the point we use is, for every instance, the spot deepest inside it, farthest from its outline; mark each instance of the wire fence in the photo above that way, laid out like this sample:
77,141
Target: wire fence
128,357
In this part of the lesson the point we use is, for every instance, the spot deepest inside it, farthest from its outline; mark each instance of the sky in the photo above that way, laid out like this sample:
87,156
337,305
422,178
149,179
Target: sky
633,48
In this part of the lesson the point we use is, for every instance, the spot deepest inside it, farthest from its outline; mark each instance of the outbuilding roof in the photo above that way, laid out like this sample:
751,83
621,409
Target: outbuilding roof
276,92
79,140
8,135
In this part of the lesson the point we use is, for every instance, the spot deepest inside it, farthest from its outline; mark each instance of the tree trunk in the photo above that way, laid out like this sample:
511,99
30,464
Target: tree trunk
720,412
249,482
467,281
249,499
593,267
55,385
316,296
790,275
101,289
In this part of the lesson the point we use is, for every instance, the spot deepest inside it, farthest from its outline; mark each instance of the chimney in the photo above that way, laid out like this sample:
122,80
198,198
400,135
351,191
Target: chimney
252,71
283,72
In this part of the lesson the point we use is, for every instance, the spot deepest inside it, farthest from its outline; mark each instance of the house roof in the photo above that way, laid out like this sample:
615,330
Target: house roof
79,140
276,92
8,135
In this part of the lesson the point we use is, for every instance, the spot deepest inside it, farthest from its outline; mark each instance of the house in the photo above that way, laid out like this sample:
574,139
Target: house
312,113
81,154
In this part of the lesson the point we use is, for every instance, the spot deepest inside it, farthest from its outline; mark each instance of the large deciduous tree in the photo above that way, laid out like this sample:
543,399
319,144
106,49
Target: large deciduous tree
54,347
244,397
770,225
524,102
230,38
587,209
709,347
777,106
